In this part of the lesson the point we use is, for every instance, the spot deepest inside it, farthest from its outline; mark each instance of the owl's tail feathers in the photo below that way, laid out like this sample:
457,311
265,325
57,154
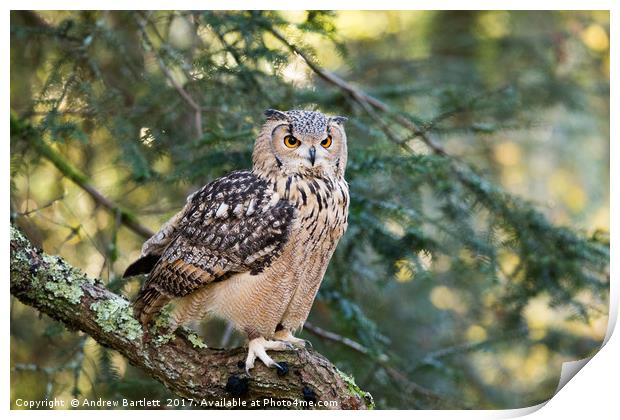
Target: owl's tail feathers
148,303
142,265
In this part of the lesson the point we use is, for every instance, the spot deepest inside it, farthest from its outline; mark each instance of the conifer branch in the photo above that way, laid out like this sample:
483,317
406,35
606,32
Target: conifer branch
169,76
381,360
369,103
127,218
337,338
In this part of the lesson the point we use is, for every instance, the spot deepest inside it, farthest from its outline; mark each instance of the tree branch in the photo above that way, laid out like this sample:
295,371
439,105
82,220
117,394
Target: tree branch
75,175
381,360
371,104
27,132
180,360
168,74
332,336
368,102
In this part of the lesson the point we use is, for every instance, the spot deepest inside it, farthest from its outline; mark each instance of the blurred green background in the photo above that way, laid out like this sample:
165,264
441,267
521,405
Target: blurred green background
463,288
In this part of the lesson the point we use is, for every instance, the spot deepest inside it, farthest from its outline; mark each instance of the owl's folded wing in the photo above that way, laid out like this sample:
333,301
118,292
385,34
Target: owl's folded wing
235,224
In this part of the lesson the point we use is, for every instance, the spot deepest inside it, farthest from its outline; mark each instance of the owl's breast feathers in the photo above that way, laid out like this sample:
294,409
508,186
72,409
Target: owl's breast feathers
322,204
235,224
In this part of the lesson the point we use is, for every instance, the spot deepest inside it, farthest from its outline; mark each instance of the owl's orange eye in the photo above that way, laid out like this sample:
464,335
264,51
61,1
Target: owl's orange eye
327,142
291,142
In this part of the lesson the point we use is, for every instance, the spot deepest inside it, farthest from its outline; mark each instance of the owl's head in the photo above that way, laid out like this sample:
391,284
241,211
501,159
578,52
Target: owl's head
308,143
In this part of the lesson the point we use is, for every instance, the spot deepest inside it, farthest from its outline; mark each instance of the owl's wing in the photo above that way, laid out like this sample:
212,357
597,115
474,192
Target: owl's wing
154,247
234,224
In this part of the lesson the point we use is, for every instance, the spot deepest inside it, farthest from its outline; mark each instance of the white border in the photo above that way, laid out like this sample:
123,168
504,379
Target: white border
317,5
592,393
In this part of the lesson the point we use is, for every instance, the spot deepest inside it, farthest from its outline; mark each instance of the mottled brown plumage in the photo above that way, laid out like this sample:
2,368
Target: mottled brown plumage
252,247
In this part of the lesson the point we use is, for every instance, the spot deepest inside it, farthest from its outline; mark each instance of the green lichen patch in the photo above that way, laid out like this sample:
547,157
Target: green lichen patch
73,293
61,279
356,390
163,339
114,315
47,273
162,327
20,263
60,271
163,321
21,254
196,341
15,234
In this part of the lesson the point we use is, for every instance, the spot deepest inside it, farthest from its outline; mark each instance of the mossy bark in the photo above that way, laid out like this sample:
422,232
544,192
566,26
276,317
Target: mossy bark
186,367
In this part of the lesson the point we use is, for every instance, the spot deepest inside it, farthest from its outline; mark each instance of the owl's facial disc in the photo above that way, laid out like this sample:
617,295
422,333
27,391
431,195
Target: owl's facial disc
306,153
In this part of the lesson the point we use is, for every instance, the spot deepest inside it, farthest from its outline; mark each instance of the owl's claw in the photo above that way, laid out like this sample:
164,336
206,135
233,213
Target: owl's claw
287,337
288,345
258,348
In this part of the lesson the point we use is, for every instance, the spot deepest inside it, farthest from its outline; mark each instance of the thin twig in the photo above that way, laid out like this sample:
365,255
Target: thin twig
44,206
467,347
238,60
382,360
168,74
80,179
359,95
332,336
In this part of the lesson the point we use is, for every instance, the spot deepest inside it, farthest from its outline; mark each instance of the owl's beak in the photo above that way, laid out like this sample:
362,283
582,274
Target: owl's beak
312,155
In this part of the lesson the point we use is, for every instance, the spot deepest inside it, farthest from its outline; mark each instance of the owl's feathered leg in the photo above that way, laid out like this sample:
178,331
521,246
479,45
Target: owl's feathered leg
288,337
258,347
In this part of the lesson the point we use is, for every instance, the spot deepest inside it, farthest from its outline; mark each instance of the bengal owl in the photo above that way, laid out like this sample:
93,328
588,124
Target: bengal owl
252,247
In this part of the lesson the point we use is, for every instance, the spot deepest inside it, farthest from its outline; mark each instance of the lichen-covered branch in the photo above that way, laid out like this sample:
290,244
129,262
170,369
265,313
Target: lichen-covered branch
180,361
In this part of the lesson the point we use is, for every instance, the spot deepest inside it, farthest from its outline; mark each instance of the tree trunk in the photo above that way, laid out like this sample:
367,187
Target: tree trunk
209,377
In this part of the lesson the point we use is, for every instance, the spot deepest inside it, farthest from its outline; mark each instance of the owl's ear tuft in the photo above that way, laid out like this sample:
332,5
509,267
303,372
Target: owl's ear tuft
338,119
275,115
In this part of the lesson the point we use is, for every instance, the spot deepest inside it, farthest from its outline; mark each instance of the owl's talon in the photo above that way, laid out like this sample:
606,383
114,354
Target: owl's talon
286,337
288,345
257,348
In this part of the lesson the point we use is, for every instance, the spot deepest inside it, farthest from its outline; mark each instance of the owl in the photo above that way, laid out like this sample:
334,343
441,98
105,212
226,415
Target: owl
252,247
